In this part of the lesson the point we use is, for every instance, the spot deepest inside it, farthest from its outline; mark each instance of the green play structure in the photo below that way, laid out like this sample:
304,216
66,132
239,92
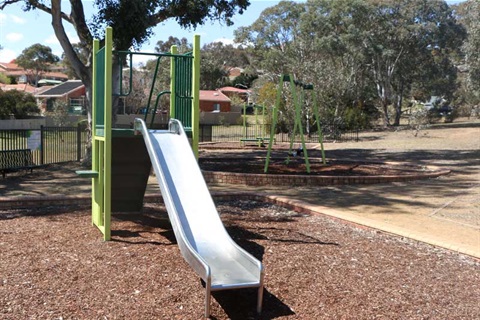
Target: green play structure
120,161
298,100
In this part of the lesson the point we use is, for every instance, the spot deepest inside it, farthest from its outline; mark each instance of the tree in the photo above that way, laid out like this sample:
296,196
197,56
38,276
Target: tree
470,15
358,52
139,15
17,103
82,54
4,79
272,38
60,113
217,59
36,59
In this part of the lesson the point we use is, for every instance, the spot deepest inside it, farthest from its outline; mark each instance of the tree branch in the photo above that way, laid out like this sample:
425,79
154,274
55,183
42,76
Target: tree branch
5,3
78,21
44,8
80,69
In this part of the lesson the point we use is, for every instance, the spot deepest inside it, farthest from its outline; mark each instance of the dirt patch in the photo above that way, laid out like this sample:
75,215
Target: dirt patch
54,265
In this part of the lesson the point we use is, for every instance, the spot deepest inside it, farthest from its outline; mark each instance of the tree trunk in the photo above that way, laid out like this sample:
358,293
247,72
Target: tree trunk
386,117
81,70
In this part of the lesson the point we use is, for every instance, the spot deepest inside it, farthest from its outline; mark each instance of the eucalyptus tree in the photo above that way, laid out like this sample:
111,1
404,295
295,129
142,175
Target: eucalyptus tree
334,30
272,38
132,21
470,17
37,59
311,41
409,41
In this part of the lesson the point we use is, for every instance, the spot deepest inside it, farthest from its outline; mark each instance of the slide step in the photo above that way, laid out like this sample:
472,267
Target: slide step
87,173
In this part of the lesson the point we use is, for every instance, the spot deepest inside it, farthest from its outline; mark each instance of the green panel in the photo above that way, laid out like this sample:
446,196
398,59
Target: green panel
100,92
183,91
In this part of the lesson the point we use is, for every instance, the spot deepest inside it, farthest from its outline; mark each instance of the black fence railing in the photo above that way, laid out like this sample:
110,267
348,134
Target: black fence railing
64,144
233,133
49,144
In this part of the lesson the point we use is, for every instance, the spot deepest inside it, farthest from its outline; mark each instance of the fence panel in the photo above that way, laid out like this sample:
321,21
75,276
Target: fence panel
13,139
49,144
233,133
61,144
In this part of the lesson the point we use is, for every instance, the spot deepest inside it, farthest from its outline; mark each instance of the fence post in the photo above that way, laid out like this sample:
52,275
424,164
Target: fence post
79,142
42,144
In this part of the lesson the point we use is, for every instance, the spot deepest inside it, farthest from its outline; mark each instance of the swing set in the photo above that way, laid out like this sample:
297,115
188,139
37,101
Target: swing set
298,101
259,137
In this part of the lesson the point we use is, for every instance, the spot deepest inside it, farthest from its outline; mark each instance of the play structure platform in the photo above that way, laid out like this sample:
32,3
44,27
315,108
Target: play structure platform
200,234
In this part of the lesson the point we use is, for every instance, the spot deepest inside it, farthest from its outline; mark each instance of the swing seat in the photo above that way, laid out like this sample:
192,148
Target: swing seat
258,141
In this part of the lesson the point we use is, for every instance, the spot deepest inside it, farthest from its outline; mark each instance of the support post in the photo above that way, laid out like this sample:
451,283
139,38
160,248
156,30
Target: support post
173,91
196,93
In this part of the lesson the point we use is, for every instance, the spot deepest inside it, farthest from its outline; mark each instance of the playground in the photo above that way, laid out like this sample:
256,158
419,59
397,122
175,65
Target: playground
56,265
406,245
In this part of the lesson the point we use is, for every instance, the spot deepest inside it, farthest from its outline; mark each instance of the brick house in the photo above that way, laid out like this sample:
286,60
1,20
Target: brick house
72,92
214,101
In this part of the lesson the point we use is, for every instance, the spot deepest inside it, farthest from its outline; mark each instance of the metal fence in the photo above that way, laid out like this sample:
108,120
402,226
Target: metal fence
63,144
49,144
233,133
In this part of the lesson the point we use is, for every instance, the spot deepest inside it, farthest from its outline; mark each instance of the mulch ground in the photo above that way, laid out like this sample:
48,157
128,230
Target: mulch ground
54,265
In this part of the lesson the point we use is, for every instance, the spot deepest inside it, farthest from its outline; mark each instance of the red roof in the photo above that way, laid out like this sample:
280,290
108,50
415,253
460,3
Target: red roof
213,95
10,66
23,87
13,69
233,89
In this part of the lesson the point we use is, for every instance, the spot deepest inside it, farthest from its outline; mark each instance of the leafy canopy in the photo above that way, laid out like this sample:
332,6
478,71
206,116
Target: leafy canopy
17,103
37,57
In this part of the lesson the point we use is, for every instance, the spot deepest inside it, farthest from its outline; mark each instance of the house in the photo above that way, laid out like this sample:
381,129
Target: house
230,92
72,92
20,75
214,101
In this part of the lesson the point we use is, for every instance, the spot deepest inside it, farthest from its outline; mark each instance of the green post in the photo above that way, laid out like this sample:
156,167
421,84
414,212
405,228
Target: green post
101,135
298,122
274,124
196,93
272,137
319,126
96,187
173,50
108,132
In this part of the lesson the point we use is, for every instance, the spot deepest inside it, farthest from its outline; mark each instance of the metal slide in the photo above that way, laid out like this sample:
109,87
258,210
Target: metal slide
201,236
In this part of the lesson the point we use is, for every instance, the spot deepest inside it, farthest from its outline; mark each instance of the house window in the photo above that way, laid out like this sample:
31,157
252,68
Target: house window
77,105
216,107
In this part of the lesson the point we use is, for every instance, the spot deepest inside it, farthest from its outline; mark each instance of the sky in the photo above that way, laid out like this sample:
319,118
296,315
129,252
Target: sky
20,30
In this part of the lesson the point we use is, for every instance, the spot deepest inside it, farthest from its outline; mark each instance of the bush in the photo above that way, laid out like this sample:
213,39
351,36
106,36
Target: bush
17,103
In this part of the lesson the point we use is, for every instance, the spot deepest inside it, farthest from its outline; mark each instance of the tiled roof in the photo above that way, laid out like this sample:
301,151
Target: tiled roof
13,69
213,95
62,89
233,89
10,66
24,87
